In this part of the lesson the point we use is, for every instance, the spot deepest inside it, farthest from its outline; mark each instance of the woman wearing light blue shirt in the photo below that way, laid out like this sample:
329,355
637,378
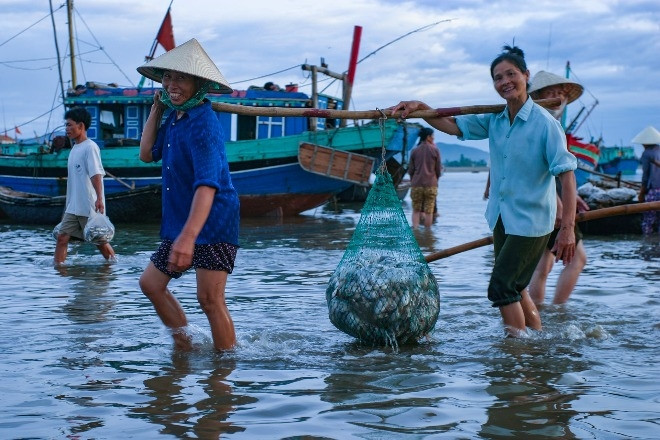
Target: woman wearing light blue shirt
527,150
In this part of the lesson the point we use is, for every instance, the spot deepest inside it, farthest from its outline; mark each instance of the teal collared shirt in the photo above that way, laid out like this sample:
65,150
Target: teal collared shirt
525,157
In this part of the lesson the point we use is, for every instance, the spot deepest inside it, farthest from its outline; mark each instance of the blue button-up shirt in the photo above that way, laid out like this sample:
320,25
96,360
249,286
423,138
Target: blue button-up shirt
524,158
193,153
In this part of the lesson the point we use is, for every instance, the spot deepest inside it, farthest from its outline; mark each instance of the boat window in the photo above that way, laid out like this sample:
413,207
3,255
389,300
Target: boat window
111,121
246,128
146,109
270,127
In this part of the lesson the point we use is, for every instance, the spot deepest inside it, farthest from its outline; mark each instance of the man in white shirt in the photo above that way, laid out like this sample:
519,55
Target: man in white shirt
84,187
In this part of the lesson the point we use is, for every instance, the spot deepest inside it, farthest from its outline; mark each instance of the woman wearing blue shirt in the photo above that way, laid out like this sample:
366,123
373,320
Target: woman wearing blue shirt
200,205
527,150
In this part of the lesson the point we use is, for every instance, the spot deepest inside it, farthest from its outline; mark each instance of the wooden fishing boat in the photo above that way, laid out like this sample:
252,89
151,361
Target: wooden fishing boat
131,206
265,170
587,154
622,225
359,192
262,151
606,192
322,171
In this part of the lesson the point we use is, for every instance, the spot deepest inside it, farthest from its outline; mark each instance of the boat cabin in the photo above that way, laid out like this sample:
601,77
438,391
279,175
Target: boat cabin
119,113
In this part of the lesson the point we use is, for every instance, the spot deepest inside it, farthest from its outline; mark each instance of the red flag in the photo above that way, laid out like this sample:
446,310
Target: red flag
17,130
166,34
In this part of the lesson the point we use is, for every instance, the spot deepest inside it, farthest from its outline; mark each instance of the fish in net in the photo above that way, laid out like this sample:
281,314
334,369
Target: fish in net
383,291
99,229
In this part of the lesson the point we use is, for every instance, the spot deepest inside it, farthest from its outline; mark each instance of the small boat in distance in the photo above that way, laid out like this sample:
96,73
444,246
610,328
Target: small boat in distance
615,160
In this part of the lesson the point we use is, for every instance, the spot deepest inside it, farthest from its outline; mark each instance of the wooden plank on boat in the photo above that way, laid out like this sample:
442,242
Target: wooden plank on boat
338,164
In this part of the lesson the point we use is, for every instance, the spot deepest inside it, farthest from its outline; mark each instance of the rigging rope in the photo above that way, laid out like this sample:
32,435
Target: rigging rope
29,27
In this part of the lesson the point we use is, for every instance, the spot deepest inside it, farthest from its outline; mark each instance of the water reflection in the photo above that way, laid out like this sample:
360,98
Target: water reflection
528,404
649,249
303,232
90,303
426,240
84,357
182,409
389,394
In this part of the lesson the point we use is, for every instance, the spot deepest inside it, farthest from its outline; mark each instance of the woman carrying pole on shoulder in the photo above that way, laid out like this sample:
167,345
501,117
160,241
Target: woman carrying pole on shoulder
200,205
527,150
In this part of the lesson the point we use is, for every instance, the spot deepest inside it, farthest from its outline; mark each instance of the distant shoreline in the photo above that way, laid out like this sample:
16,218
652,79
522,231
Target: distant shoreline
465,169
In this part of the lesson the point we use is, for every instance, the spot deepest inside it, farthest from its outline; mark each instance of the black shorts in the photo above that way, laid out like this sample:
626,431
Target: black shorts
516,258
553,237
219,256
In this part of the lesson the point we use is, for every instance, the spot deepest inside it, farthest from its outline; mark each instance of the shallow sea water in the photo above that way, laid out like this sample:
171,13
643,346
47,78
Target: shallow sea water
85,357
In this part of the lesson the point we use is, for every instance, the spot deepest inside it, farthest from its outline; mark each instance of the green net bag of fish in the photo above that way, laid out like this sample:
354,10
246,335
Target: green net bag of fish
383,291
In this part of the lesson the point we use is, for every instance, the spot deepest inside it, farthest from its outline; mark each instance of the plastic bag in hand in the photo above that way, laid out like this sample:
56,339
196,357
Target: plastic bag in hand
98,229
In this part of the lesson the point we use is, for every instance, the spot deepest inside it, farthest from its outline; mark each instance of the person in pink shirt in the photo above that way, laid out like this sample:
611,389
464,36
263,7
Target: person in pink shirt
425,168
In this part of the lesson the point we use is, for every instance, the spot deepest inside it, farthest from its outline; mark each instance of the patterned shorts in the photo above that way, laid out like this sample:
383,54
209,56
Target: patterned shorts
218,256
651,219
423,198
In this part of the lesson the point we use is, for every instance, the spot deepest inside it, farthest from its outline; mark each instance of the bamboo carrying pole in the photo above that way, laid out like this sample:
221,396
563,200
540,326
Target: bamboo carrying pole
633,208
365,114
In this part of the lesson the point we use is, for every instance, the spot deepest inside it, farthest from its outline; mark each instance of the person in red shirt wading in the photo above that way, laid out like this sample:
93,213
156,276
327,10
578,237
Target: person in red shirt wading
425,169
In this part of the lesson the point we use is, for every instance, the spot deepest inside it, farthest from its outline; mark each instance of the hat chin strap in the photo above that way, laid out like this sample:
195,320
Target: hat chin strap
194,101
557,112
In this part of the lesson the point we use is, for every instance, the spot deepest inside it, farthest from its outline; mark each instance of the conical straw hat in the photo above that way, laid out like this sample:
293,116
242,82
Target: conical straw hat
544,79
648,136
188,58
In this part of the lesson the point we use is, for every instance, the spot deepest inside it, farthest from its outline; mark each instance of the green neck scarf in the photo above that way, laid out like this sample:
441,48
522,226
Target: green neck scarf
194,101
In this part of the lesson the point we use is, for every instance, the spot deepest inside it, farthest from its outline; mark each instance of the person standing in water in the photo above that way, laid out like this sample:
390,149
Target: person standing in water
548,85
200,205
424,168
84,185
650,190
527,150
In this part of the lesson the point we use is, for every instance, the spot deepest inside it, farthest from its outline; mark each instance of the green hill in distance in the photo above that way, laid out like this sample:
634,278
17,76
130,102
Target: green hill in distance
454,155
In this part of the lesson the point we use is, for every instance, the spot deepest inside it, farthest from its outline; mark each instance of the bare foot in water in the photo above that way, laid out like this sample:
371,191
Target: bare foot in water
182,340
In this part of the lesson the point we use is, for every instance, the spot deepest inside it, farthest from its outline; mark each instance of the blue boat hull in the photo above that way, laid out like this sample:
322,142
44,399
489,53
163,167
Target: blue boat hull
283,190
56,186
137,205
625,166
266,187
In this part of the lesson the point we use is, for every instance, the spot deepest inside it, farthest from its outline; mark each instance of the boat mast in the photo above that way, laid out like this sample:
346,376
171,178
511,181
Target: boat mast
57,49
345,78
352,64
563,114
315,94
154,45
574,126
69,10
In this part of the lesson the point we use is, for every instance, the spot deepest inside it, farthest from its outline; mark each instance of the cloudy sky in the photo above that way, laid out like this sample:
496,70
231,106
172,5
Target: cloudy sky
613,48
